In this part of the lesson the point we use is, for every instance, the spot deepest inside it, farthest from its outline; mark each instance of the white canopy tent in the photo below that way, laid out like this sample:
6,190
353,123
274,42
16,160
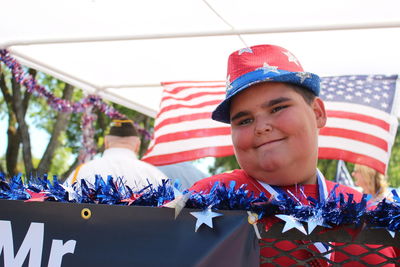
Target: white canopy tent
122,50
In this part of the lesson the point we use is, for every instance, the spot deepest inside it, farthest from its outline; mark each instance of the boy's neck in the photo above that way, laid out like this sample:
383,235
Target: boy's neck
311,180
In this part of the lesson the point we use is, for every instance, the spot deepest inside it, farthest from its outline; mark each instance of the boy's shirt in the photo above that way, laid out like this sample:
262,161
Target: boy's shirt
241,177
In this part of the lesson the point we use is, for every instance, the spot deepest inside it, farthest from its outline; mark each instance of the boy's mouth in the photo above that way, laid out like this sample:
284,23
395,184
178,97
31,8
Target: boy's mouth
270,142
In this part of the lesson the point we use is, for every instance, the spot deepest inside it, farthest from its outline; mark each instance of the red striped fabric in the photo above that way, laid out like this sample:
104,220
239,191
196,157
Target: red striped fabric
183,127
362,119
184,130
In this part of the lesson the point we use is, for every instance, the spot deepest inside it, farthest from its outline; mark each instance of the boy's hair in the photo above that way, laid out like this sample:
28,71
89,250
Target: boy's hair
307,95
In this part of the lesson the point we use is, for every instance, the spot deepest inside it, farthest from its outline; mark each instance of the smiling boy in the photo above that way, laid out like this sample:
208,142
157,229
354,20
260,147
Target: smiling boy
275,115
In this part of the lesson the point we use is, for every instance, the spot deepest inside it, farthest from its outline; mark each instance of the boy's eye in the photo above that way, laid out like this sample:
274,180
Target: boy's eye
245,121
276,109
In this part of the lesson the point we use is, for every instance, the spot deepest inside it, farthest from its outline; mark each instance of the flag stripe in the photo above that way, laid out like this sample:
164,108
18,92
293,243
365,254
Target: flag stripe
189,144
359,158
191,83
359,117
173,120
208,103
193,134
190,88
200,124
356,108
214,151
353,146
358,126
193,96
355,135
182,112
193,102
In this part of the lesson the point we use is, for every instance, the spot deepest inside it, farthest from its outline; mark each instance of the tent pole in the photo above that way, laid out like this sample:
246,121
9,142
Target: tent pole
311,28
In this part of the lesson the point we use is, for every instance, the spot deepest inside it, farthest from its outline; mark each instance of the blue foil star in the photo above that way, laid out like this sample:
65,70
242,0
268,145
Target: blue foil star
290,223
204,216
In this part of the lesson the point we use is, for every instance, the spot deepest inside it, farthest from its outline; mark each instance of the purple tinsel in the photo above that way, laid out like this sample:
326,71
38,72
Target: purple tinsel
57,103
85,106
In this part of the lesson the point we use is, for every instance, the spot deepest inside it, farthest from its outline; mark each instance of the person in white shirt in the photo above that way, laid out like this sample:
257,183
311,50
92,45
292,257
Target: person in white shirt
120,160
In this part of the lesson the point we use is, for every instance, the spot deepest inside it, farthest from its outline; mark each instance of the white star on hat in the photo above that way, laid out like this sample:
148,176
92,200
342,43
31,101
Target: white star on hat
303,76
267,68
246,49
228,83
292,58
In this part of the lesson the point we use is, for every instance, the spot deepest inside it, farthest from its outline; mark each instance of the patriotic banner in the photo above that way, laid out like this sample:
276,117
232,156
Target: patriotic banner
183,127
361,124
70,234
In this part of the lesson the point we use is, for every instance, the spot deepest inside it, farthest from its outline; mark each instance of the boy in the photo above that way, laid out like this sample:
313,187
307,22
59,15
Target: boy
275,115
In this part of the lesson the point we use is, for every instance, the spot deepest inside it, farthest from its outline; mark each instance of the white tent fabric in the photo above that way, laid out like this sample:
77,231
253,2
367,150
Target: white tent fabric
123,49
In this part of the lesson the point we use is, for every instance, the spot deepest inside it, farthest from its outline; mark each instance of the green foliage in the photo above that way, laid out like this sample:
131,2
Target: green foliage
224,164
61,161
394,166
41,116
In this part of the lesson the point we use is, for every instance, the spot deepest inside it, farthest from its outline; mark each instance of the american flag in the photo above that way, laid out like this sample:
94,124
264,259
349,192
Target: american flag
342,174
183,127
361,124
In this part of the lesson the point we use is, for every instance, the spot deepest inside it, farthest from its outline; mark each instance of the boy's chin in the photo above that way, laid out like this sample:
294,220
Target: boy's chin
283,182
280,178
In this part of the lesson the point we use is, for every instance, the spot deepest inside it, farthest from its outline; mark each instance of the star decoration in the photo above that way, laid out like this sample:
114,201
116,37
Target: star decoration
178,203
303,76
290,223
292,58
267,68
392,233
39,197
245,50
71,192
205,217
228,83
313,222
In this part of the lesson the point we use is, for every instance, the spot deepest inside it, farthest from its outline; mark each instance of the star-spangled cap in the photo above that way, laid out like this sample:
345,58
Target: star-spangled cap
123,128
262,63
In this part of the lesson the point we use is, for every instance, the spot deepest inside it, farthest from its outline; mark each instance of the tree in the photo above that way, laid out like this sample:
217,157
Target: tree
24,110
17,100
394,166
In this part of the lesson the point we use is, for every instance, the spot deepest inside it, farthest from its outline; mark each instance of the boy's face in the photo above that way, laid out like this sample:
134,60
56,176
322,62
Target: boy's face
275,133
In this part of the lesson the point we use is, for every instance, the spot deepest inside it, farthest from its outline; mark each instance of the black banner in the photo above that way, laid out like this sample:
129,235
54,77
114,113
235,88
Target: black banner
62,234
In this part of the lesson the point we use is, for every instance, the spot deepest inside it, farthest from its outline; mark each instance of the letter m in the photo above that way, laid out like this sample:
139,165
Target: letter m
32,244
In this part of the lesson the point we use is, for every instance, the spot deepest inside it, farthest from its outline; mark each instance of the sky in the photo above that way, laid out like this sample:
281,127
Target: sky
39,139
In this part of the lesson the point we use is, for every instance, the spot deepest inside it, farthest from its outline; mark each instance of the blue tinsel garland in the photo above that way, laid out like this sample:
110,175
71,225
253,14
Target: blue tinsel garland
335,211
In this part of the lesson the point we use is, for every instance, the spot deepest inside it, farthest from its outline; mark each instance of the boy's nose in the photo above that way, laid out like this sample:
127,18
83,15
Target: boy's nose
263,128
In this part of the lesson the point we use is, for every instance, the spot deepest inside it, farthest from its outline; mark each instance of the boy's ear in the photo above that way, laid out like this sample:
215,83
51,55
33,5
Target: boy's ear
320,113
106,142
137,145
